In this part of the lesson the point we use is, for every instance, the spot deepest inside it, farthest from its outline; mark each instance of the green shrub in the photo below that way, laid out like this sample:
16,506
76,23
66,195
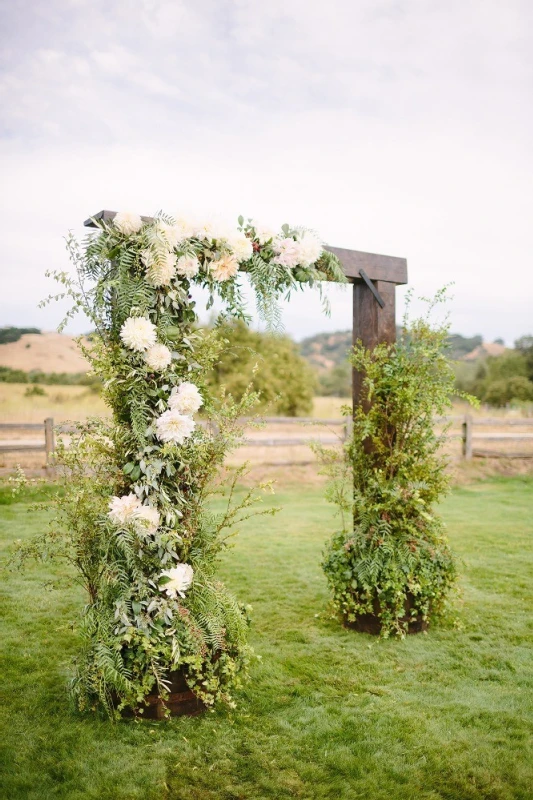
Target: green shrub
34,391
11,334
268,362
391,558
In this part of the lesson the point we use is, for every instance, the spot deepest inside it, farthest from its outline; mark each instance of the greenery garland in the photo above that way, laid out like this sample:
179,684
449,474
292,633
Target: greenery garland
134,518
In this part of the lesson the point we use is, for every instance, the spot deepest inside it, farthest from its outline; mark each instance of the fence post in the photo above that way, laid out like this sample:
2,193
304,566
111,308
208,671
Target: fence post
348,429
49,445
467,437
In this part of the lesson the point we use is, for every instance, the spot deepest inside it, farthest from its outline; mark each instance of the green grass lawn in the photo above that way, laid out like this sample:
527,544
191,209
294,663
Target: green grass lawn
330,713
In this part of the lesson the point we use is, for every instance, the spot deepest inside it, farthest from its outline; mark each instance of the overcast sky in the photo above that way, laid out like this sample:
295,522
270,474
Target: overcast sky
402,128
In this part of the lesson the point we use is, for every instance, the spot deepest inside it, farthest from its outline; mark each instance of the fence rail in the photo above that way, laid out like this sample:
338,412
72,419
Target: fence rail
468,435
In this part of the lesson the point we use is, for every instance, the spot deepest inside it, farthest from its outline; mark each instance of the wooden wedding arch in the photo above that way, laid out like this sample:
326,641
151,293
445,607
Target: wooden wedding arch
374,278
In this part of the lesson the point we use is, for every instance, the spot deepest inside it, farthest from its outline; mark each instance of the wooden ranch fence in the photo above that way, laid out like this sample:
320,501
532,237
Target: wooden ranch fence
470,436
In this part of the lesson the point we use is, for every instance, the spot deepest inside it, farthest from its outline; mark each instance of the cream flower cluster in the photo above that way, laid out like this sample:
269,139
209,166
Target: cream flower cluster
302,251
140,334
128,510
180,579
176,425
160,268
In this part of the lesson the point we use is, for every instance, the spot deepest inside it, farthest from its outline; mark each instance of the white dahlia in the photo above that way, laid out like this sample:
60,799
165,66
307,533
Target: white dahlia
186,398
181,577
174,427
160,268
188,266
138,333
310,248
225,268
158,357
127,223
241,245
122,510
263,233
147,519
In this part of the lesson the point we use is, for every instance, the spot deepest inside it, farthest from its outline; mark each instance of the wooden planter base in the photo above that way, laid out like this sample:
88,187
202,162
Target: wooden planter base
371,623
181,702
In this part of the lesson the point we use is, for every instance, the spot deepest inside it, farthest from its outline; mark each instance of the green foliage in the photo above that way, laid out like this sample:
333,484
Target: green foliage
11,334
503,391
393,561
9,375
329,714
269,363
501,379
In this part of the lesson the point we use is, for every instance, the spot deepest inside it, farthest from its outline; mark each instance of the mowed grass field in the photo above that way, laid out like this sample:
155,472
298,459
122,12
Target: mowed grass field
329,713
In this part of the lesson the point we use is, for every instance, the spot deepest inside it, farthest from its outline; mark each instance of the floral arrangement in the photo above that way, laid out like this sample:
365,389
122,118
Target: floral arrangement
133,519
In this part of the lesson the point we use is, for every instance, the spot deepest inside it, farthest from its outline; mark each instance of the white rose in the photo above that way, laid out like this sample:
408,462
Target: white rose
241,245
138,333
158,357
264,234
287,252
122,510
186,398
147,519
127,223
225,268
181,577
310,248
188,266
174,427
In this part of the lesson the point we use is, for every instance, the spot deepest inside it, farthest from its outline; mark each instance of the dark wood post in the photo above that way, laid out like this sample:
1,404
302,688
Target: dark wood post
467,437
374,279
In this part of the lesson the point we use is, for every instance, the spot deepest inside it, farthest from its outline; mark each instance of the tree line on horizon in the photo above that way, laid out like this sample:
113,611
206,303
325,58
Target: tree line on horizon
288,375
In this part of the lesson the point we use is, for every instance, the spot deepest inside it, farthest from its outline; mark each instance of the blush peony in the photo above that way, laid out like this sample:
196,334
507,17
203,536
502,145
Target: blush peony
287,252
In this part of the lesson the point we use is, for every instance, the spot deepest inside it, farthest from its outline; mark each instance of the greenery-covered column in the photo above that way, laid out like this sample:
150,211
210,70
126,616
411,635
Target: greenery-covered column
134,520
389,567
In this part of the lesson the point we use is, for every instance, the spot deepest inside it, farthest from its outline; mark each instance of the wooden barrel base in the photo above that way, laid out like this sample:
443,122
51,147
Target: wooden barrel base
181,702
371,623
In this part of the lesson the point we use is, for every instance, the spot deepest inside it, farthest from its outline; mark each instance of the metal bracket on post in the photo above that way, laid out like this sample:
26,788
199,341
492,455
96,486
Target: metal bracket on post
372,288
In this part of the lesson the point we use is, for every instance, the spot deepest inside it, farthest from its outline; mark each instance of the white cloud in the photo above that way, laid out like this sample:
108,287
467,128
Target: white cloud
395,127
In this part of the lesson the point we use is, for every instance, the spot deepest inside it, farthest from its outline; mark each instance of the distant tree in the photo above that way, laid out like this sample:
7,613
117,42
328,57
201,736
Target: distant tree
499,340
525,346
336,382
283,377
12,334
503,391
